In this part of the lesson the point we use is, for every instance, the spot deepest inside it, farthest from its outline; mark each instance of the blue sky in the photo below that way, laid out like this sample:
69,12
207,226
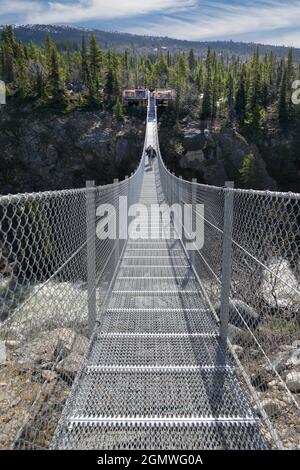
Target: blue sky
266,21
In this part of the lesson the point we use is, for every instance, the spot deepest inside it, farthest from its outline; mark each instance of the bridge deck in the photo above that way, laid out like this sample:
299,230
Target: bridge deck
157,376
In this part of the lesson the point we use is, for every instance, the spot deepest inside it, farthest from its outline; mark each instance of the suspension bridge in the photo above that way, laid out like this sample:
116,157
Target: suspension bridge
159,371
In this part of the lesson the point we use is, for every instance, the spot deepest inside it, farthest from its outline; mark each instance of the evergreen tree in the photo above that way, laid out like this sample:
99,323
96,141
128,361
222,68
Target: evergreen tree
282,106
192,60
254,108
56,86
84,63
22,71
119,111
230,99
290,77
95,57
8,54
248,172
240,98
207,97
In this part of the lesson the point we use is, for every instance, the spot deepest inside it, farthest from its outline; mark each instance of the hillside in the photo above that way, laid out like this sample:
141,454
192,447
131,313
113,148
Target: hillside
71,36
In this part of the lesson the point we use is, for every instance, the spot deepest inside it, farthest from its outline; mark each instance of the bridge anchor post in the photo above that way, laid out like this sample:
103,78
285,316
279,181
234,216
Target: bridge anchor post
117,242
91,253
192,253
226,260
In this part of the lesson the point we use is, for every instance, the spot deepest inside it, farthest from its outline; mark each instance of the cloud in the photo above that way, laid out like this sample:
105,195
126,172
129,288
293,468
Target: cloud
81,11
268,21
18,7
235,21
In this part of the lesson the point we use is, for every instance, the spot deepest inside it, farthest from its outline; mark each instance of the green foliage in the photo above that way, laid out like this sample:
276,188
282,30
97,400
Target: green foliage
207,95
119,115
218,89
282,105
248,172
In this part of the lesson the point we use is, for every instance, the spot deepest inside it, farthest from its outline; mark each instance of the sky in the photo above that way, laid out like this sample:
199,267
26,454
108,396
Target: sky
265,21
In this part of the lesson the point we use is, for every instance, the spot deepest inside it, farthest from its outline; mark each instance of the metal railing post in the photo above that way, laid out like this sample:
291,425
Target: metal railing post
173,201
128,191
117,241
91,253
193,202
128,203
180,201
167,195
226,259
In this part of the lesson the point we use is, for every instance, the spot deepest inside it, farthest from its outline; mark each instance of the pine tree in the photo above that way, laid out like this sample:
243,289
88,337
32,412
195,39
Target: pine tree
254,107
192,60
8,54
215,88
22,70
240,98
290,77
119,111
230,98
56,86
207,97
112,88
95,57
248,172
84,63
200,78
282,106
40,81
48,47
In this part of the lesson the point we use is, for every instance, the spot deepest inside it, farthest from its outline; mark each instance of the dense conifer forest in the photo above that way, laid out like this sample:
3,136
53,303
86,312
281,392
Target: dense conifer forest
252,96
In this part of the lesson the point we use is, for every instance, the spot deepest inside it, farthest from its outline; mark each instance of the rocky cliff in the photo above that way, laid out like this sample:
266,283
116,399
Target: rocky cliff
42,151
213,156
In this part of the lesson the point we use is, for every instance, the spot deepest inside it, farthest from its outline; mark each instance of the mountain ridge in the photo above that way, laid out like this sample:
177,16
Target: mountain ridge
123,40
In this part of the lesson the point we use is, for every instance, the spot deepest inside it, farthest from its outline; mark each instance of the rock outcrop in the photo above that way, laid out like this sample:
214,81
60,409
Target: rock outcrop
218,156
42,151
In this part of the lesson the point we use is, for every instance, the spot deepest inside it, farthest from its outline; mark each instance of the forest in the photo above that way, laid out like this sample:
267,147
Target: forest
252,96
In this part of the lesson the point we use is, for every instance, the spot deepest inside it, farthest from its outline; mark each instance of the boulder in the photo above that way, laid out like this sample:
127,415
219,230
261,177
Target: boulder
293,382
193,139
280,294
271,407
49,347
70,365
294,359
246,316
68,309
192,159
234,333
278,362
49,375
2,353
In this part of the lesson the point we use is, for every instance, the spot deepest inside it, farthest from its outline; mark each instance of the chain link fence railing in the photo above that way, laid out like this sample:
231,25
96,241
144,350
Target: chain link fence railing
55,274
251,257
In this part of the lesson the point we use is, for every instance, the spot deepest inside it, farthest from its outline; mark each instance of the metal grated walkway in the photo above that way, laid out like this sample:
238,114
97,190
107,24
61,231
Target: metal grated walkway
156,375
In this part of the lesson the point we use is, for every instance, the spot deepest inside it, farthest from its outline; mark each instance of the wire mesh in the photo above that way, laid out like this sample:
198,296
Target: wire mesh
129,436
154,374
264,311
45,299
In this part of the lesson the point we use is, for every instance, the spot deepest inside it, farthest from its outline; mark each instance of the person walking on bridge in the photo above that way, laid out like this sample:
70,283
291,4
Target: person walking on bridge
151,152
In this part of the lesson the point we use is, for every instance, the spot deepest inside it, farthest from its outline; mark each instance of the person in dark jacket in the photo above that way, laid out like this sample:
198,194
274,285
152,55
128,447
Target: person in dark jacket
151,153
